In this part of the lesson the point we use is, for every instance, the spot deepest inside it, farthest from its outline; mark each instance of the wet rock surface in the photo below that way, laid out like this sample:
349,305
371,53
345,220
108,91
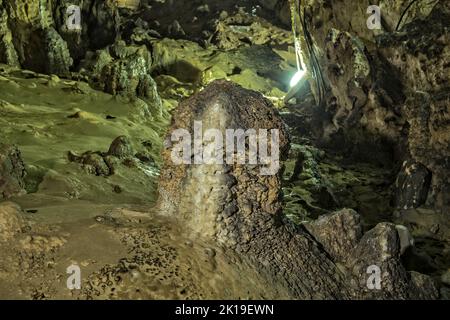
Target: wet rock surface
12,172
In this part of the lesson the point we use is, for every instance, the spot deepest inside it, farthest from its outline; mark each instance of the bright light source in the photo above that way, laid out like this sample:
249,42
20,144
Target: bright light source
297,77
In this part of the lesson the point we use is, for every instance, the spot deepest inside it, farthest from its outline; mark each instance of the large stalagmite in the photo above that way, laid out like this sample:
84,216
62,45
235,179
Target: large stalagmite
240,208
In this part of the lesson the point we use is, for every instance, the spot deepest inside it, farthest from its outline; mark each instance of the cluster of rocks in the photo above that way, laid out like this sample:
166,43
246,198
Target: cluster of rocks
105,163
114,43
380,248
124,70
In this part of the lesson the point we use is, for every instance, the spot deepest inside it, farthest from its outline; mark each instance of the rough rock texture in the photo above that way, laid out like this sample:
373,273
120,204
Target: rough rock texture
39,46
381,247
387,99
11,221
121,148
420,53
132,77
341,235
412,185
99,25
57,56
104,163
12,172
224,106
243,29
8,54
37,31
240,208
338,232
387,91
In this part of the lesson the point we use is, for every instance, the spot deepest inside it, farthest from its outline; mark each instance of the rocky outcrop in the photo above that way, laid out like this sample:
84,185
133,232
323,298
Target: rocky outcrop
412,185
8,54
338,232
99,25
124,70
381,247
37,32
239,207
104,163
120,153
387,90
12,172
419,54
121,148
38,45
378,252
56,53
234,203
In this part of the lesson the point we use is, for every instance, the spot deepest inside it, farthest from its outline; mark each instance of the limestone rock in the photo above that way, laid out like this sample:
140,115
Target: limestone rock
100,22
388,91
121,148
419,53
104,163
12,172
338,232
124,70
237,205
242,29
11,221
8,54
412,185
39,46
58,56
93,162
380,250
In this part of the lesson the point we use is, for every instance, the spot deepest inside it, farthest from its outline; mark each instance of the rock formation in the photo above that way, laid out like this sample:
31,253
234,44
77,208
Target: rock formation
11,221
239,207
387,88
12,172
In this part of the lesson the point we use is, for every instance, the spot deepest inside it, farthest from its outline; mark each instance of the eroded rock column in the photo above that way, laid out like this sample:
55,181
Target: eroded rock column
239,206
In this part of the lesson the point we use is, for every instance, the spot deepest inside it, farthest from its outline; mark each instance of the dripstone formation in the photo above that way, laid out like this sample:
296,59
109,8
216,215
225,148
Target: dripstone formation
241,209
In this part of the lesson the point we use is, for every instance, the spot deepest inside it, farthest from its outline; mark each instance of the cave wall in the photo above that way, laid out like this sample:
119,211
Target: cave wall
387,88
